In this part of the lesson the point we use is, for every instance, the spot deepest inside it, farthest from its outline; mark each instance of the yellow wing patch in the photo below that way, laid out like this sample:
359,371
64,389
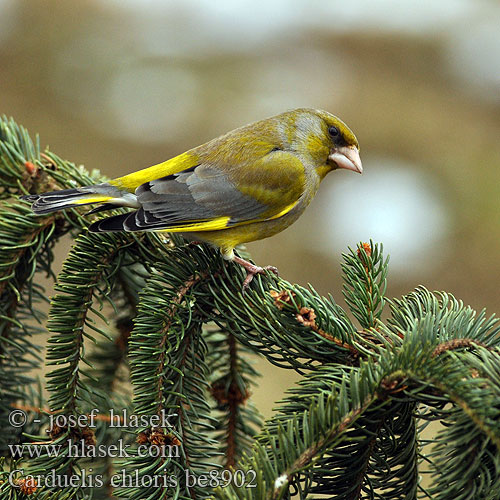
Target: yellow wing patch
132,181
221,223
284,211
211,225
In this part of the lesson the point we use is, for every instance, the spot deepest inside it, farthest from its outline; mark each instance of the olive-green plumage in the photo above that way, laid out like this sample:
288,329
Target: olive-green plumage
246,185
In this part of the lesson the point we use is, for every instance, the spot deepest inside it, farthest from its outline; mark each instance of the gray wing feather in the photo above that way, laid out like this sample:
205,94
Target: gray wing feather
197,194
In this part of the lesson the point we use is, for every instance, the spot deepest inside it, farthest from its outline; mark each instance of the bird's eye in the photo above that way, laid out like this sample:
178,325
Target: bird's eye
333,131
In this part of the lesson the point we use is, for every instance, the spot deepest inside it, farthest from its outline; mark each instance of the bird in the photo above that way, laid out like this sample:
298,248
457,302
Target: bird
246,185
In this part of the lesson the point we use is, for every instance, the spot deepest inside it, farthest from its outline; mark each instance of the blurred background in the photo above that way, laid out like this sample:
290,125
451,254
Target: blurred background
120,85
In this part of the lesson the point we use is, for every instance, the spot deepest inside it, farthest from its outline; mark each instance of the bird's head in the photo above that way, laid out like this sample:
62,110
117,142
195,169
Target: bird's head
344,147
327,140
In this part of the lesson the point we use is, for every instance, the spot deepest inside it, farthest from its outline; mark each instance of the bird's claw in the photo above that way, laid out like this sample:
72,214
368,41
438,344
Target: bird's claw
252,271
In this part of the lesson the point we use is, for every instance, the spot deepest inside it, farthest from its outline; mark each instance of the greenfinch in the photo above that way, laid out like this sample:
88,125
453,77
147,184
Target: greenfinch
246,185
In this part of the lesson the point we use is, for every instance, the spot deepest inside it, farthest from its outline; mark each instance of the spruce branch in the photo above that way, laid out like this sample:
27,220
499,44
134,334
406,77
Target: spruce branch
76,291
167,352
257,321
231,381
365,283
167,320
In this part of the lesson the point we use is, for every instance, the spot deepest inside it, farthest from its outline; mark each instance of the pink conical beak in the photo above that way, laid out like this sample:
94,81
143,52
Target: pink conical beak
348,158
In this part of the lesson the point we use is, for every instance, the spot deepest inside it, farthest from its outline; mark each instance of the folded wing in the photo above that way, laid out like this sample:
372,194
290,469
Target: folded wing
206,198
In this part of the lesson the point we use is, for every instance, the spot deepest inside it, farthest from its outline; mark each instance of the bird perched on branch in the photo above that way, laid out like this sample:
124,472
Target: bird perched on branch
246,185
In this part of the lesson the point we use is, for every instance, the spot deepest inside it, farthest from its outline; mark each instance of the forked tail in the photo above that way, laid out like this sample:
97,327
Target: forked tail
53,201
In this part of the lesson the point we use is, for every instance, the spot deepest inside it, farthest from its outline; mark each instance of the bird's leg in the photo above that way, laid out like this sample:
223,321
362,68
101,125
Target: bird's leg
252,270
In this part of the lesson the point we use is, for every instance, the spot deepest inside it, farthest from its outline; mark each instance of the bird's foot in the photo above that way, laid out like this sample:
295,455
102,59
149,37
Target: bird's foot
252,270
